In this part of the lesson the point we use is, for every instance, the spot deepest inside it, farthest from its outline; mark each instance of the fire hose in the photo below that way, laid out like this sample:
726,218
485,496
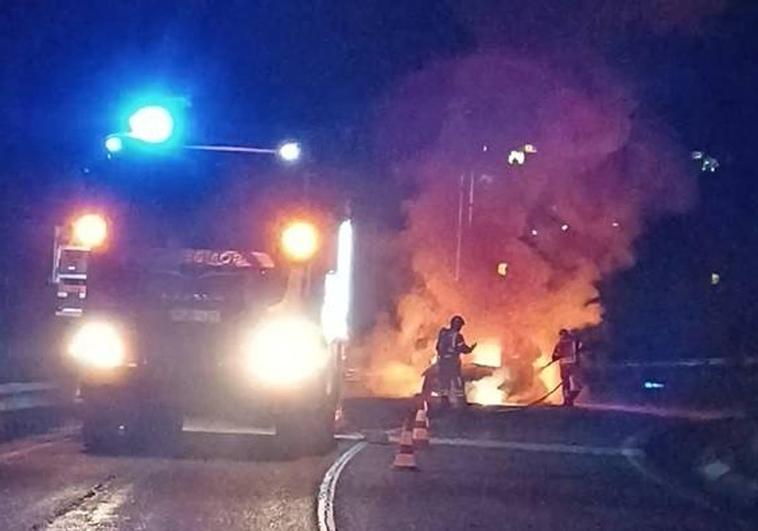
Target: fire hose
530,404
546,366
545,396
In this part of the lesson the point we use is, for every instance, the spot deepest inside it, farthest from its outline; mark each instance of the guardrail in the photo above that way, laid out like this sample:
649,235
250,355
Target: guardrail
681,363
21,396
29,407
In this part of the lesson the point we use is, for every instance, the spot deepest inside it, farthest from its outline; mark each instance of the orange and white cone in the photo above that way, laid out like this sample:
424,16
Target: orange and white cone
339,419
405,458
425,408
421,425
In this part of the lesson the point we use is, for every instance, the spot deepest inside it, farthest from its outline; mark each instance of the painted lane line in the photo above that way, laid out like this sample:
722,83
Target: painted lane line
557,448
328,488
354,436
637,460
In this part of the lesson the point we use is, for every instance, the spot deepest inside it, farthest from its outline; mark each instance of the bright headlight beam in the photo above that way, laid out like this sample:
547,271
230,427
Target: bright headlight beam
285,350
98,344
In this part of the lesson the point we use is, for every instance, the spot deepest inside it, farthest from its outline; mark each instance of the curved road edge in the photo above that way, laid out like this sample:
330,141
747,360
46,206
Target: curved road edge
328,487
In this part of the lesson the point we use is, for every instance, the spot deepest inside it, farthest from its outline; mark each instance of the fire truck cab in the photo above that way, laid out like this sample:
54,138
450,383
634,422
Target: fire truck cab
158,335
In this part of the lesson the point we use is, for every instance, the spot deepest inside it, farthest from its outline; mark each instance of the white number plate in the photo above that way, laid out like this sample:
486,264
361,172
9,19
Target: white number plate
185,315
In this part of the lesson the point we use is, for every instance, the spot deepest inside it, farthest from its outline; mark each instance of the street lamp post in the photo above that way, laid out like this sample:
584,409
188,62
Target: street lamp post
155,125
463,204
287,152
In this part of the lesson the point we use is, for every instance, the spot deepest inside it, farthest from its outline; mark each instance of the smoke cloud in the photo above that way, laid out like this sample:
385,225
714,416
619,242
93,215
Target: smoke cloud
557,224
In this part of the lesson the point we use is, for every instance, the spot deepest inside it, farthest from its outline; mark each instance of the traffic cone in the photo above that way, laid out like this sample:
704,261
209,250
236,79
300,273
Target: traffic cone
421,425
405,458
339,419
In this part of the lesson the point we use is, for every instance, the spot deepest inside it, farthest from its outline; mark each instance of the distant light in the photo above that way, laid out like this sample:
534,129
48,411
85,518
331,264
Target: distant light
696,155
530,148
715,278
516,157
615,225
564,227
152,124
289,151
114,144
485,148
502,269
534,232
710,164
653,385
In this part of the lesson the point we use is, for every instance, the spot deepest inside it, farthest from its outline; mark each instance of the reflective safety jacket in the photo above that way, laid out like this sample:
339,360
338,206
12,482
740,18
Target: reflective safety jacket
567,351
450,344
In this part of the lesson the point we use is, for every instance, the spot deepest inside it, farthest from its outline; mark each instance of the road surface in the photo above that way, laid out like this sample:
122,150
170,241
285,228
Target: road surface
544,468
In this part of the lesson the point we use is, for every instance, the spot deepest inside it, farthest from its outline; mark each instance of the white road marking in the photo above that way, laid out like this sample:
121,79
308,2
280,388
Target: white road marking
328,488
636,458
557,448
354,436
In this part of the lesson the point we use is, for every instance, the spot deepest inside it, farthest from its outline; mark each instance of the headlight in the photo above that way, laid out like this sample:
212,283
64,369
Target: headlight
285,350
98,344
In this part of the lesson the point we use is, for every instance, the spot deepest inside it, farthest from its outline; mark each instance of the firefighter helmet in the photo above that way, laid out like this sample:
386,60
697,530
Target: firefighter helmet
457,322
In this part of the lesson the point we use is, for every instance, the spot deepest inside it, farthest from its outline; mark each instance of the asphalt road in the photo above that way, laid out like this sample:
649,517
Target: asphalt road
545,468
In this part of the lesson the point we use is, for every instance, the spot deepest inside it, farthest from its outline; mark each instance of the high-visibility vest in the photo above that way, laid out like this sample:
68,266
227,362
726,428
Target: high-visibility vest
567,351
447,343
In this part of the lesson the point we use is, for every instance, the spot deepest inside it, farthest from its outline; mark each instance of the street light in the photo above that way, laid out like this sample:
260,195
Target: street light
114,143
155,125
289,152
152,124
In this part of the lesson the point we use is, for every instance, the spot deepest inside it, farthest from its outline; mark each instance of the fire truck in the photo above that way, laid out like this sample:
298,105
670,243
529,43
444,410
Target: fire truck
156,335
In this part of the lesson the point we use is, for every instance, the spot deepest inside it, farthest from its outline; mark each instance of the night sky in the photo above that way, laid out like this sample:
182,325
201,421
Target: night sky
318,70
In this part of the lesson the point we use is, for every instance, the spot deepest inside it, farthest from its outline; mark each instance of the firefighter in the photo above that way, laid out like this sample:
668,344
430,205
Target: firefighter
450,346
566,353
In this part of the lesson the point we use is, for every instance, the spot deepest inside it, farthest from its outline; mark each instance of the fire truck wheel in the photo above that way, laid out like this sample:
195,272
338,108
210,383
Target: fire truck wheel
100,435
307,432
158,431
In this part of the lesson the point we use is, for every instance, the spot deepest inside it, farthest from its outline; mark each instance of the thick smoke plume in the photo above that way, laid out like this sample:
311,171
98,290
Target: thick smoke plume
561,221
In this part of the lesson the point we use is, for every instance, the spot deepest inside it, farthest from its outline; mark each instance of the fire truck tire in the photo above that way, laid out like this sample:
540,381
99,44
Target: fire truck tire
306,433
158,431
100,436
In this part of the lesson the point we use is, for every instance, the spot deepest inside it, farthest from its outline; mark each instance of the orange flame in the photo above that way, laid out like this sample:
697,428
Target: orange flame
562,221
